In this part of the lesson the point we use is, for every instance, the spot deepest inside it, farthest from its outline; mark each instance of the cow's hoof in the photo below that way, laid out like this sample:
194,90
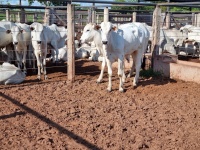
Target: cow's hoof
45,77
39,78
98,81
122,90
109,90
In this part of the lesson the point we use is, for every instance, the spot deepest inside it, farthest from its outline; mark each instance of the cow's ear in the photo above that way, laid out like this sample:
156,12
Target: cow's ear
32,28
97,27
8,31
114,28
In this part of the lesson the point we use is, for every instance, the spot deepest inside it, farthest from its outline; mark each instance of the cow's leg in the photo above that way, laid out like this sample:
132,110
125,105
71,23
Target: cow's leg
9,51
38,65
121,73
133,64
44,62
30,57
19,65
44,68
54,44
103,64
33,58
138,62
24,59
109,65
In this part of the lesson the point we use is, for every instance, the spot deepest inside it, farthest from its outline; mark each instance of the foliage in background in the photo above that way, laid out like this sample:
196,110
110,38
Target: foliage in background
134,8
150,73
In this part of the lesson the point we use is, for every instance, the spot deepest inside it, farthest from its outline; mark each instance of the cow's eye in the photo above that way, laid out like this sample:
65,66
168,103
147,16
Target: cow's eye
88,30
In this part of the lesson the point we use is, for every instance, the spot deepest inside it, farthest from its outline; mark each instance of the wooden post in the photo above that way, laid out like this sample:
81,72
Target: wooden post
198,20
93,16
97,20
51,16
14,18
26,18
7,15
106,14
22,15
168,22
70,43
134,17
156,31
34,17
193,19
18,17
47,16
89,15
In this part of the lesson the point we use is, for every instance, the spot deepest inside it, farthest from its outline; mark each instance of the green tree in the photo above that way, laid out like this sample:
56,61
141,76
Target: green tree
49,3
133,8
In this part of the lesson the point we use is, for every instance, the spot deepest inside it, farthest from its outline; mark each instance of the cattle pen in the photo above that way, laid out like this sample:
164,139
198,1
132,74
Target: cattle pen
70,111
83,15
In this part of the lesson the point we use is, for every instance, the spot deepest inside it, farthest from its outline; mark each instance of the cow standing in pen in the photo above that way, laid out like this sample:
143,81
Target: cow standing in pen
21,38
6,39
129,39
43,35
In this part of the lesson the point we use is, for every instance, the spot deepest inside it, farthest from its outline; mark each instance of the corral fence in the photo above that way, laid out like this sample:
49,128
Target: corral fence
75,19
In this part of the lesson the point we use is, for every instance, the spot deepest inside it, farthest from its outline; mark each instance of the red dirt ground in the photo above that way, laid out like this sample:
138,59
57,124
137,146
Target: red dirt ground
160,114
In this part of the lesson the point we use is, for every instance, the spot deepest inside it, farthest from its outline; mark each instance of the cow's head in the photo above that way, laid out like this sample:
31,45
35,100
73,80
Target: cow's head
16,34
36,32
106,29
89,32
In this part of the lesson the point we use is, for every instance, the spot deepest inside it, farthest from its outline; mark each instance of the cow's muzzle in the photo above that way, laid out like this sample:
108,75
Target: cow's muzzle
15,43
39,42
105,42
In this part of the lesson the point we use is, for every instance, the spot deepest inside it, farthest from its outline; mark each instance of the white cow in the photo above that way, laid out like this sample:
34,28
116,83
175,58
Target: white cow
192,38
21,37
113,50
9,74
6,38
134,46
169,39
40,47
43,35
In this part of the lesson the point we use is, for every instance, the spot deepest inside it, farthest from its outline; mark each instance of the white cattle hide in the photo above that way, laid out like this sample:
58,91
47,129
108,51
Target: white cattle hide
39,43
81,53
62,54
94,55
9,74
21,35
91,33
6,38
191,42
43,35
113,50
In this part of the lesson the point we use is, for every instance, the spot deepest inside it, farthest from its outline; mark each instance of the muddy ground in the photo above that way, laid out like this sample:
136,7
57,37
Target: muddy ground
160,114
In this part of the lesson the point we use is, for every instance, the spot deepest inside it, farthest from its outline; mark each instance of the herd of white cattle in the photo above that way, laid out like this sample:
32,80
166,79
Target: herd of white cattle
109,42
